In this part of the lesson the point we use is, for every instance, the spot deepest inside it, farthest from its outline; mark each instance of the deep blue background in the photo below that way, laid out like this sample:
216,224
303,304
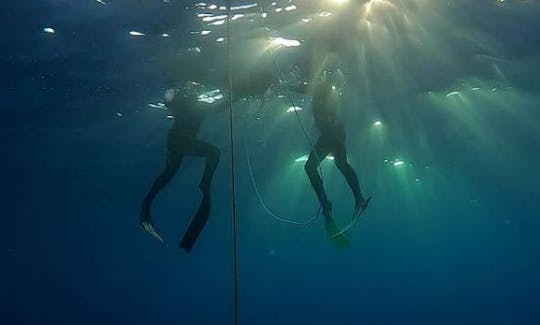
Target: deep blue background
459,246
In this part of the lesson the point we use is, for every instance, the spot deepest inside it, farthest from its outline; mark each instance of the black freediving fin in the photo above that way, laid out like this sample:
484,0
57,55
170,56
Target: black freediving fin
197,224
354,220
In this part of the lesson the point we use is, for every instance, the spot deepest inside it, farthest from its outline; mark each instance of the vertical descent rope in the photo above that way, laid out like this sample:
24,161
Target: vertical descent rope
233,174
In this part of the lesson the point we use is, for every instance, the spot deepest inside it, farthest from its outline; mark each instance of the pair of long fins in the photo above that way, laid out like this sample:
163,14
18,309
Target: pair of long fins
201,217
338,235
195,227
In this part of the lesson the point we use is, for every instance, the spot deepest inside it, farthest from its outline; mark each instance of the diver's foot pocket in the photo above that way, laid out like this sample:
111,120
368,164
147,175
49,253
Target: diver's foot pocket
148,226
359,208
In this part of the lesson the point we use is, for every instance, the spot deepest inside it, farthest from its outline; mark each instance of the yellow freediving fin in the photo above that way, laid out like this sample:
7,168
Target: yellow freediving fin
335,233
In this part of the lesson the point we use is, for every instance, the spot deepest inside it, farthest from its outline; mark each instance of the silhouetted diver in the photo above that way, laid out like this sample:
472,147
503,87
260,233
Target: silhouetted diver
189,112
331,139
182,141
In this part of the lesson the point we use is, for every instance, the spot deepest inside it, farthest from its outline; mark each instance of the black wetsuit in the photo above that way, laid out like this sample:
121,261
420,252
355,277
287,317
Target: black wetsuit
182,140
331,131
188,117
331,140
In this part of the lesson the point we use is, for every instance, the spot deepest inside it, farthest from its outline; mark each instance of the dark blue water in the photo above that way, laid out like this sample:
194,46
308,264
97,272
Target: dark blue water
450,237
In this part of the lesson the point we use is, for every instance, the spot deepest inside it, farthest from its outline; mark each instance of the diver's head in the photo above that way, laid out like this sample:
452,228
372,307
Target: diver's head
186,90
330,69
170,93
329,76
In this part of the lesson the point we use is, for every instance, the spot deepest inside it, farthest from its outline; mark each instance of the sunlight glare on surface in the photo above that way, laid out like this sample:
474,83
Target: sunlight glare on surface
135,33
398,162
293,109
339,2
279,41
305,158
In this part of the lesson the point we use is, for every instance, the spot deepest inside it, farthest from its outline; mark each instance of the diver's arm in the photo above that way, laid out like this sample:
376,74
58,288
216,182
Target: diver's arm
340,79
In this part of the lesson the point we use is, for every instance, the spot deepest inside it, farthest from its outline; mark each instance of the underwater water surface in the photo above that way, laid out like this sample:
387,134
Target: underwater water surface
440,103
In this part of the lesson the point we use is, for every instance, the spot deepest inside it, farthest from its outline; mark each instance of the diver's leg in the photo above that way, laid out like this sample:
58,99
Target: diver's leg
313,162
340,159
171,167
174,159
199,148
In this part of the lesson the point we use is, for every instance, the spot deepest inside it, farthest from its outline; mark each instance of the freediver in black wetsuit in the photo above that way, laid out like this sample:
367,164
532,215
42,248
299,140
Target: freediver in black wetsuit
189,112
331,140
182,141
